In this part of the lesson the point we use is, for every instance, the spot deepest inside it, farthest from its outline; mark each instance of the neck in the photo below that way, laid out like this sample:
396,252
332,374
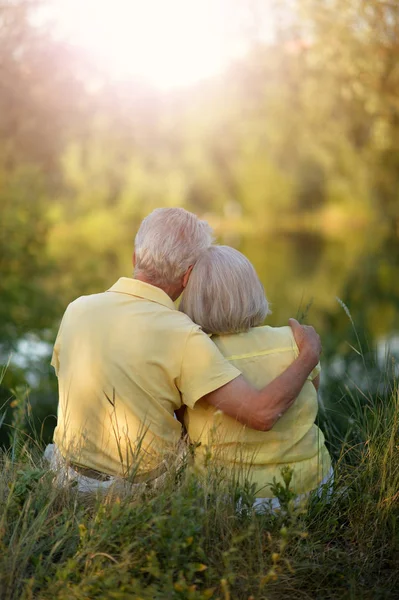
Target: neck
172,291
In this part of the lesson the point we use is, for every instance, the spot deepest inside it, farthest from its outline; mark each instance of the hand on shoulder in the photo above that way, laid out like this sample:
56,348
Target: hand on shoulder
308,341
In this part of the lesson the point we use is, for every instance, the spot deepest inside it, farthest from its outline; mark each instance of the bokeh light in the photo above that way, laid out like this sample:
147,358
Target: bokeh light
168,44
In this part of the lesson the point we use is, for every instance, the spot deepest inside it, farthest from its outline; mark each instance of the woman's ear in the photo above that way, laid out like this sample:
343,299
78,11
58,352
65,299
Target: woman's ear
186,276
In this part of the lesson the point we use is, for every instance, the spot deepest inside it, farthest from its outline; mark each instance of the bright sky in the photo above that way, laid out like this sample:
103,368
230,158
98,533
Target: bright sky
169,43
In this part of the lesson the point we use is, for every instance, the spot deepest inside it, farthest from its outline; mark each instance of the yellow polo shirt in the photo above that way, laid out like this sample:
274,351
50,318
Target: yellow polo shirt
126,359
261,355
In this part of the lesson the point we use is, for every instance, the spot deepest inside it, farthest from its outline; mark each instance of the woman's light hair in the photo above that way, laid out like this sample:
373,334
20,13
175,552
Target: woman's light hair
168,242
224,294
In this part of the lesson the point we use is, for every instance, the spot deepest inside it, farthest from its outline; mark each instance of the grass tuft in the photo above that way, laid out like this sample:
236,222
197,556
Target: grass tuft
186,540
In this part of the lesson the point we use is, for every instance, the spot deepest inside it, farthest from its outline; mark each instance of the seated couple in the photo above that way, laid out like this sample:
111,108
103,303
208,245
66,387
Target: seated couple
127,360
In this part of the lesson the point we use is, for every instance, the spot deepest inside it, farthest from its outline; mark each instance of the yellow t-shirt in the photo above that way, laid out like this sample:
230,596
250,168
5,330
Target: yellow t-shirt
261,355
126,359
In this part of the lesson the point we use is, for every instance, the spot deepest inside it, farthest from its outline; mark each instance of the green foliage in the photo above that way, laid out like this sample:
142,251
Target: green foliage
23,261
188,540
300,139
300,135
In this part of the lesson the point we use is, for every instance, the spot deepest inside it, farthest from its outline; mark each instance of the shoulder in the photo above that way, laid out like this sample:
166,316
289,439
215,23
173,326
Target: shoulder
85,309
175,323
84,303
256,339
174,327
279,335
181,321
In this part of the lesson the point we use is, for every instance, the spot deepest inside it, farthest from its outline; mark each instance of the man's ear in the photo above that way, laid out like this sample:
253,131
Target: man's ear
186,276
134,258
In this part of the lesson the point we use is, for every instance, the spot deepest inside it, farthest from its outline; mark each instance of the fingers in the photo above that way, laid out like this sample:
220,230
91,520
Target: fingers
310,329
304,334
293,323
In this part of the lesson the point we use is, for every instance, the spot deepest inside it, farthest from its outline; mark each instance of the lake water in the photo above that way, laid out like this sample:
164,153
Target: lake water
338,284
347,286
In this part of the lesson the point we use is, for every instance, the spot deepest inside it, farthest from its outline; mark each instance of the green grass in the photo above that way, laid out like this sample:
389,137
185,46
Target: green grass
186,540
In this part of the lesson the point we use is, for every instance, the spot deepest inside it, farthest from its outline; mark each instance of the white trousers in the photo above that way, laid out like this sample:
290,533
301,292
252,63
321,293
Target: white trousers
64,474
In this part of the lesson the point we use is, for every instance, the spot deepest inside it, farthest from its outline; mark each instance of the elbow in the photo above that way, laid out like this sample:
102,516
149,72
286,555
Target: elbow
266,425
261,422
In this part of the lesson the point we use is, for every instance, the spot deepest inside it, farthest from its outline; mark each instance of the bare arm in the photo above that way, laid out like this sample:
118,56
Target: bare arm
260,409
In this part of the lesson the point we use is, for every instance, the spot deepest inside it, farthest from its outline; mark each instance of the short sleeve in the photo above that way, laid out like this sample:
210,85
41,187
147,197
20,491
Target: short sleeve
316,371
55,359
203,369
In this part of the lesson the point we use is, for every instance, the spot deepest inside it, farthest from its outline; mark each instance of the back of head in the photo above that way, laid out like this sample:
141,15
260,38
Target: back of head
168,242
224,294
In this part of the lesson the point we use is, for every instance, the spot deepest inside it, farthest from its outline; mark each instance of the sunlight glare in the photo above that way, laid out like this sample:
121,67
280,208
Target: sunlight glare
168,43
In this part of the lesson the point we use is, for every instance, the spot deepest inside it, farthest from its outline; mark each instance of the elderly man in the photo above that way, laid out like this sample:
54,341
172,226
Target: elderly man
126,360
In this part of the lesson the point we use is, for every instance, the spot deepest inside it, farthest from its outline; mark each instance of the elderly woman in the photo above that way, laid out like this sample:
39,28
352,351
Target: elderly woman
225,297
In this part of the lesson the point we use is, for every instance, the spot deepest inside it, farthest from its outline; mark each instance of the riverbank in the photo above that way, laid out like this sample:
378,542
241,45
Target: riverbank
186,541
330,221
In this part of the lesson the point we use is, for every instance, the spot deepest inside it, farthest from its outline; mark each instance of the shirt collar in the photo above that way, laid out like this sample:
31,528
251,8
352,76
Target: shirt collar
134,287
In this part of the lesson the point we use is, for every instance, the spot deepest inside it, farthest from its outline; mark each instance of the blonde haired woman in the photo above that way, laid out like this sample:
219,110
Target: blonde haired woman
225,297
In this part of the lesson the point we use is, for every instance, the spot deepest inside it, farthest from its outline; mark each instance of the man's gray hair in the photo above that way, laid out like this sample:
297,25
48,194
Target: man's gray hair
224,294
168,242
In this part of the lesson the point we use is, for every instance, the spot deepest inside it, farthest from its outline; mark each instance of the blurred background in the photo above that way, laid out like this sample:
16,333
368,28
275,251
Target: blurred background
277,121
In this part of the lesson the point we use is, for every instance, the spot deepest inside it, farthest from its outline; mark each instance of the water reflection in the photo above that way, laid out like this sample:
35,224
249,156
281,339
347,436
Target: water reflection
303,275
308,252
30,354
347,287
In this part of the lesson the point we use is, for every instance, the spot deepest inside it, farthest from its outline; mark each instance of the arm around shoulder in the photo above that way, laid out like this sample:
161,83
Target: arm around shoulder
260,409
